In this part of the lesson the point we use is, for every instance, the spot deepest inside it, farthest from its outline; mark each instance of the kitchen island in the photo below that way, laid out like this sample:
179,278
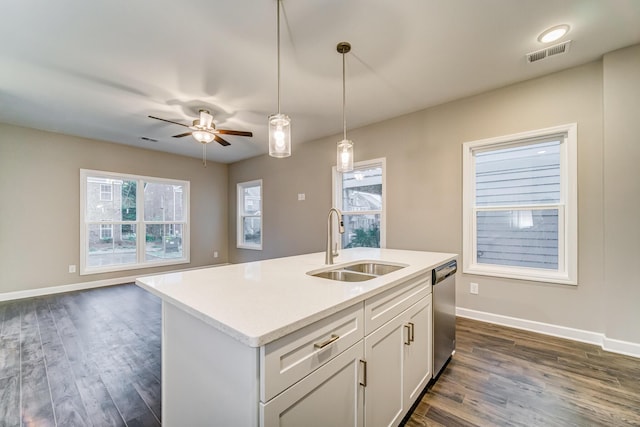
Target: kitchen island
265,343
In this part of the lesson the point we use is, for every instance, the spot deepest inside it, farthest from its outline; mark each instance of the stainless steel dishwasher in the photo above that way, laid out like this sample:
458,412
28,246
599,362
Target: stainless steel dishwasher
444,314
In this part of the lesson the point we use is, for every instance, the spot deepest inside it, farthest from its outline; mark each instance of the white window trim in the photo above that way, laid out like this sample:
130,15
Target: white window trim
140,224
336,179
240,215
567,272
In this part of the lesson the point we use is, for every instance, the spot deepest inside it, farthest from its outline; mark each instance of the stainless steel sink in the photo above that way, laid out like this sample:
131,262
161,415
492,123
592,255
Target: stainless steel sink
377,269
357,272
344,276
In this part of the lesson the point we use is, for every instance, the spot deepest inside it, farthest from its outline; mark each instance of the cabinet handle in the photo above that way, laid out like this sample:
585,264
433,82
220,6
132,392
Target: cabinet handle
363,383
411,329
323,344
408,328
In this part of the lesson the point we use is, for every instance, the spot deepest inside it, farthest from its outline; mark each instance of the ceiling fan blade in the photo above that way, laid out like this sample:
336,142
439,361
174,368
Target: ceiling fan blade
221,141
233,132
168,121
182,135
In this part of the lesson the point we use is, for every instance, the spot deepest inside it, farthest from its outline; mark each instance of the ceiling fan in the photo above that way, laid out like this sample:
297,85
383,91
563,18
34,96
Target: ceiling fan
204,130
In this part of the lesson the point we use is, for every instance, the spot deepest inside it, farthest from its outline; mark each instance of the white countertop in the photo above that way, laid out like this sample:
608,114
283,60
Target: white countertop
259,302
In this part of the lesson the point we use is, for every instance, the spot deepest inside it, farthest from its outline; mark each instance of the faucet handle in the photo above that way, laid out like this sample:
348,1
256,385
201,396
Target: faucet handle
335,250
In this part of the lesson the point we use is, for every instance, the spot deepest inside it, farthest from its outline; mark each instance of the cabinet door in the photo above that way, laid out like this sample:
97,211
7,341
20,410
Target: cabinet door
384,355
417,358
330,396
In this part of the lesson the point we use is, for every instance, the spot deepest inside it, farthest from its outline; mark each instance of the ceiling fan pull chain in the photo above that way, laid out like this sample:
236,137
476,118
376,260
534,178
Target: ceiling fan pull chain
204,155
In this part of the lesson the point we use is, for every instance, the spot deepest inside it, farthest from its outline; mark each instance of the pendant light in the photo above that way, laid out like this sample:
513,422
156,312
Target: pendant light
345,147
279,124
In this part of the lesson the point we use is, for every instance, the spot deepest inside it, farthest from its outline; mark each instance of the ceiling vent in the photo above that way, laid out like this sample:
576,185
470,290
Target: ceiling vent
547,52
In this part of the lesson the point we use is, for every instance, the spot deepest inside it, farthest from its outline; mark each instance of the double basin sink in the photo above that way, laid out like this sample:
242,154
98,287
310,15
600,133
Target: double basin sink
357,272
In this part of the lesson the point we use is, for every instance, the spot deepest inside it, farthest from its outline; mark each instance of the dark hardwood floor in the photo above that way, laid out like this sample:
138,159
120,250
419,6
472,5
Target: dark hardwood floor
507,377
93,358
81,359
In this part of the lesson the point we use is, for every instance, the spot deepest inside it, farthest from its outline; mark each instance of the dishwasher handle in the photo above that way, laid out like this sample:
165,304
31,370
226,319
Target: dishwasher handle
445,270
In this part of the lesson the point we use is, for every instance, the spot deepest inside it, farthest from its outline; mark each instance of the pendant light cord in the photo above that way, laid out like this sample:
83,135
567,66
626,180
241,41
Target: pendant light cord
344,116
278,21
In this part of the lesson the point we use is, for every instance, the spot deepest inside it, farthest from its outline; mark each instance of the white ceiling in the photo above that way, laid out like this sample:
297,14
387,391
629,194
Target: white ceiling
96,69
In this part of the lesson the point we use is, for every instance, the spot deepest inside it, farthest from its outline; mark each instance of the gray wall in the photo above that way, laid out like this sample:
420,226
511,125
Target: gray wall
622,193
424,182
40,204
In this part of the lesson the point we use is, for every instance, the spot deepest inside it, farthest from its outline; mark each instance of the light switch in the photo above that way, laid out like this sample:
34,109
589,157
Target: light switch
72,268
301,196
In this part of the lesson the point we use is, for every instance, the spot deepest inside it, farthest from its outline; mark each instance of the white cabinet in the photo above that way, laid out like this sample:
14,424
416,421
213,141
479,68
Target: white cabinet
289,359
417,357
383,393
330,396
398,357
362,366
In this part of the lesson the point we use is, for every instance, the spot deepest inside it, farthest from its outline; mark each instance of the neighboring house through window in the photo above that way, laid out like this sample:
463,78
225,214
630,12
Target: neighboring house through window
520,205
249,221
131,221
106,192
360,196
106,232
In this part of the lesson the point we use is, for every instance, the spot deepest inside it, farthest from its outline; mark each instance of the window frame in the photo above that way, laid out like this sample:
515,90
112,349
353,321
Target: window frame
240,215
139,223
336,188
567,272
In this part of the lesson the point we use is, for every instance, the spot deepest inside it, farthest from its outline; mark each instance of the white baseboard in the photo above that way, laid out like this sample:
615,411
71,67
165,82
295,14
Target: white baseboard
621,347
596,338
29,293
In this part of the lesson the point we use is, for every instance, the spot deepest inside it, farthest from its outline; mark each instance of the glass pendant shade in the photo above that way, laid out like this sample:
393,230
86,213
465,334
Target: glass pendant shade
344,159
203,136
279,135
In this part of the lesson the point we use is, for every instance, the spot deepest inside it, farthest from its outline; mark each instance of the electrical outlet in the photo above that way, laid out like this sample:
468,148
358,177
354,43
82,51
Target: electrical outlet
215,254
473,288
72,268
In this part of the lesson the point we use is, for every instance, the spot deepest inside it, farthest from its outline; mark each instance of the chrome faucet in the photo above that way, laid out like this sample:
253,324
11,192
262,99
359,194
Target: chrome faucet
330,252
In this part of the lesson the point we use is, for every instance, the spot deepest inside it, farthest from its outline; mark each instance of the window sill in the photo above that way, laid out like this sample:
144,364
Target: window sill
251,247
528,274
115,268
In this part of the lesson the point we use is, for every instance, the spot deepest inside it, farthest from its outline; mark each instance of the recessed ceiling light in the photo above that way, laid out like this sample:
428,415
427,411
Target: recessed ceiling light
554,33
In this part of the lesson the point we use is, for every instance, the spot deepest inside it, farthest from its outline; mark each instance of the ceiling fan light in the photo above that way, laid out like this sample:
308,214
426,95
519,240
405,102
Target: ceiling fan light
279,135
203,136
344,159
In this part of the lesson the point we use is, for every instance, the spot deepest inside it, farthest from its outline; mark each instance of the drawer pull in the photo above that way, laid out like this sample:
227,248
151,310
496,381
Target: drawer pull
323,344
411,335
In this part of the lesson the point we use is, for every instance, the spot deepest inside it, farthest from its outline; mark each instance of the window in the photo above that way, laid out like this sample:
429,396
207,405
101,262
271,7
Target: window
250,215
520,206
360,196
106,232
142,223
106,192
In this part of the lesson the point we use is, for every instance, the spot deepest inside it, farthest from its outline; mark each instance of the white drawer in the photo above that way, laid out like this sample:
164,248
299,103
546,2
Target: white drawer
292,357
381,308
